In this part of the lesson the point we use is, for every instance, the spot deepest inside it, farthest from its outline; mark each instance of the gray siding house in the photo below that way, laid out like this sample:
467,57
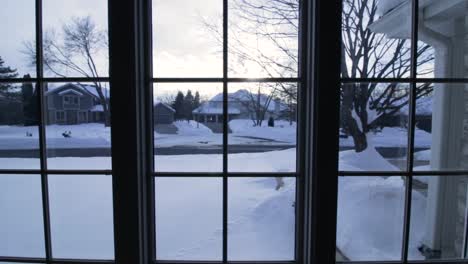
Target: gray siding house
73,104
163,114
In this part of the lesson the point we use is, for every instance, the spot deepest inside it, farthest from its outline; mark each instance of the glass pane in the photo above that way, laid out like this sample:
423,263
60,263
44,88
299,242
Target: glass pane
188,127
262,127
189,220
370,218
441,141
443,44
75,38
438,218
18,37
373,126
81,216
187,38
263,38
261,217
78,126
19,132
21,224
376,39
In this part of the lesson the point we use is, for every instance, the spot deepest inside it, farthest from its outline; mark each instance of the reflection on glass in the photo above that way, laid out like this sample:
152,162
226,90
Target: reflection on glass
376,39
441,141
373,126
263,38
261,220
188,218
370,218
262,127
188,127
21,224
18,37
78,125
19,132
187,39
81,216
75,38
438,218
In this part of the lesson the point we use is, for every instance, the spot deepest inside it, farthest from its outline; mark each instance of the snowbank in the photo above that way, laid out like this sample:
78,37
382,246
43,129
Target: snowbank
191,128
282,131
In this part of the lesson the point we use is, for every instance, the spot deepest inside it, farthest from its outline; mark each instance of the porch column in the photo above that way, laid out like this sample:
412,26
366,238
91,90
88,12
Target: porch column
446,153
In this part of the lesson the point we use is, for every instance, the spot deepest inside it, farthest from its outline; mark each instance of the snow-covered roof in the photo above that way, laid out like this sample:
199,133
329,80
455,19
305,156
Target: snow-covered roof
165,105
70,91
244,95
385,6
89,89
97,108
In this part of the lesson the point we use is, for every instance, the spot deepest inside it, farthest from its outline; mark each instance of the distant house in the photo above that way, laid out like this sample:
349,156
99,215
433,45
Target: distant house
11,111
241,105
74,104
163,114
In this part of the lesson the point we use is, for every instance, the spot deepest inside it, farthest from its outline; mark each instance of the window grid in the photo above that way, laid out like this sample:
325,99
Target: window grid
225,174
43,171
408,173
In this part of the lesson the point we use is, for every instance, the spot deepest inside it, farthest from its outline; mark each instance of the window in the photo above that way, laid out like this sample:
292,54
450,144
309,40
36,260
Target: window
70,99
402,181
185,180
60,115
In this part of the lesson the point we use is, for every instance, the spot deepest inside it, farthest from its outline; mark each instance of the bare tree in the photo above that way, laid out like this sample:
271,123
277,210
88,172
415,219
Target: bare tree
75,51
256,101
366,54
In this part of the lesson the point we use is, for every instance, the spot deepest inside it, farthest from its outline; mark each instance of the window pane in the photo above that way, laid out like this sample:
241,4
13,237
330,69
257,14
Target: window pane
78,129
75,38
261,219
438,217
21,224
81,216
442,36
19,132
370,218
188,127
442,122
187,37
263,127
189,218
263,38
18,39
373,126
376,39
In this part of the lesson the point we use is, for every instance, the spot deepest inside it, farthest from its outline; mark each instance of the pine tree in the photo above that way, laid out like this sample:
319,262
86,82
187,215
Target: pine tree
196,101
6,72
178,106
188,105
29,95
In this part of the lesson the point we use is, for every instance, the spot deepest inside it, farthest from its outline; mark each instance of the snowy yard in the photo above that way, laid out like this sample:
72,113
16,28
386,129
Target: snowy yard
261,219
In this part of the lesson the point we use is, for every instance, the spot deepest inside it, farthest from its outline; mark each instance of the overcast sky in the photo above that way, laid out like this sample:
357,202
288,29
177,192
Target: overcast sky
182,45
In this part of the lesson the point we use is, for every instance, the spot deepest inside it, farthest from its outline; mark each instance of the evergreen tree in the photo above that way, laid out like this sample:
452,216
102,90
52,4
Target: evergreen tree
178,106
29,95
188,105
6,72
196,101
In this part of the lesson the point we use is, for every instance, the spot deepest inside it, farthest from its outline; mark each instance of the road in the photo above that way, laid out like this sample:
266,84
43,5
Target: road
387,152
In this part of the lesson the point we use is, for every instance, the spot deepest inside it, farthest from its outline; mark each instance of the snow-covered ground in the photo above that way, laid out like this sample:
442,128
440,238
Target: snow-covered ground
188,213
393,137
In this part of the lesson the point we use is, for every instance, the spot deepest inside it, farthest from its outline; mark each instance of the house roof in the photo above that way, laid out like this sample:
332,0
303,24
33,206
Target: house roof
166,106
207,109
78,88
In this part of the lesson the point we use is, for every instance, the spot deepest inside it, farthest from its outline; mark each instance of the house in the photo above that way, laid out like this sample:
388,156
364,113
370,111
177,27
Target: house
242,104
11,111
74,104
163,113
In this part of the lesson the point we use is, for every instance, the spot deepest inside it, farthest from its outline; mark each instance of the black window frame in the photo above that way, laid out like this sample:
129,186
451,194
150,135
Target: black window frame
130,77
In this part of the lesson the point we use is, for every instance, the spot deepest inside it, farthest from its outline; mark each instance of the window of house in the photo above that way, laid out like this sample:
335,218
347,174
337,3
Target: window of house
70,99
60,115
403,130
